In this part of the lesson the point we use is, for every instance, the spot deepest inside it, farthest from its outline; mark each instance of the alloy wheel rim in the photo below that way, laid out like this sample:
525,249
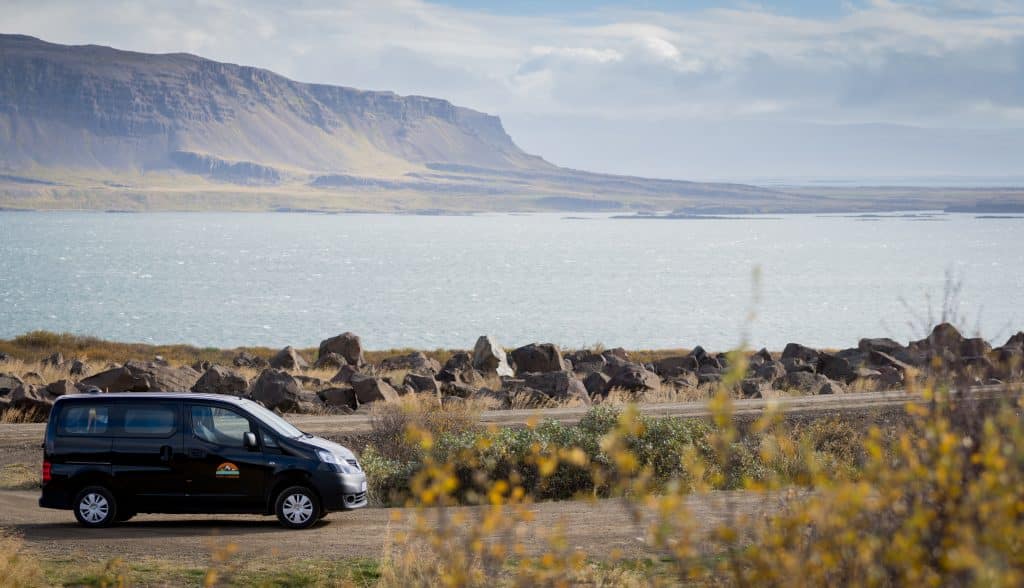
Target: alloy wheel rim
297,508
94,507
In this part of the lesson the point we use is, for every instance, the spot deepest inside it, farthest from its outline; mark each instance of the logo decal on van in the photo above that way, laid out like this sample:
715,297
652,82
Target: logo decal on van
227,470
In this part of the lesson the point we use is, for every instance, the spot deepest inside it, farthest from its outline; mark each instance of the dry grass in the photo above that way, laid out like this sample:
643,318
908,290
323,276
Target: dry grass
18,476
17,568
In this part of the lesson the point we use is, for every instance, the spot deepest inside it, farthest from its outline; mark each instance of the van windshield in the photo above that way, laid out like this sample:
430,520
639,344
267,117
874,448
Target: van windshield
269,418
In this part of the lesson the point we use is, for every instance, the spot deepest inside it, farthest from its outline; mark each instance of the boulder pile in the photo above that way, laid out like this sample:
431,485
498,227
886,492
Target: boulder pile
537,374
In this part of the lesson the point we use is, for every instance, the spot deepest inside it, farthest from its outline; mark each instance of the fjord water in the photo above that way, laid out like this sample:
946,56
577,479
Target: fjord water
228,279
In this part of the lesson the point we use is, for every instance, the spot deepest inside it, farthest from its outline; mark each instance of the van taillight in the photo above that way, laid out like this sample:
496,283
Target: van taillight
46,472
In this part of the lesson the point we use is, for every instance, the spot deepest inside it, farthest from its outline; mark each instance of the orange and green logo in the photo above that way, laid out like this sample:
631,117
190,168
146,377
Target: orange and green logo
227,470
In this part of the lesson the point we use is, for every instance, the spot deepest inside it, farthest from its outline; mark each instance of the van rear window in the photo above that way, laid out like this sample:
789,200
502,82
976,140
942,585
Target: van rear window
147,421
85,420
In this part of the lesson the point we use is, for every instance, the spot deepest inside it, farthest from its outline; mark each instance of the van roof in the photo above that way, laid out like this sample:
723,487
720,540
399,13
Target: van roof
154,396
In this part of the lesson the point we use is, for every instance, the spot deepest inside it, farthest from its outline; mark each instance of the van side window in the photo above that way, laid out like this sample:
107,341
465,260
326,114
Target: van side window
149,421
82,419
219,426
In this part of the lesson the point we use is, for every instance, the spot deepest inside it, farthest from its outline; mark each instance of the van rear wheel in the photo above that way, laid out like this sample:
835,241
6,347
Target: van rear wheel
297,507
95,506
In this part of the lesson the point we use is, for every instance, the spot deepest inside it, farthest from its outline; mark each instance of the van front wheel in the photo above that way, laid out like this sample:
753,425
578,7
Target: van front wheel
297,507
95,506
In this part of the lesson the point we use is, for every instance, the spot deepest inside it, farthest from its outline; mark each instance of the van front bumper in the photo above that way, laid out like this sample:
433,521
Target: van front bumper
341,491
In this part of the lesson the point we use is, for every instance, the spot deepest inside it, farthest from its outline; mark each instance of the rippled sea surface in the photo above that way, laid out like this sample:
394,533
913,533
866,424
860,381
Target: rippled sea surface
440,281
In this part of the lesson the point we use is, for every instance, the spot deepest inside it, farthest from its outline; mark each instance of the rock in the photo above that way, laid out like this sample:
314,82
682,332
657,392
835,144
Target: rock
61,388
882,344
760,358
159,360
246,359
29,397
1016,341
346,345
755,388
416,362
798,364
671,367
882,359
596,384
771,371
201,366
836,368
618,353
278,390
344,374
489,357
634,378
136,376
711,367
1009,362
974,347
457,390
585,360
372,389
340,398
288,359
78,368
221,380
9,382
945,336
537,358
892,377
797,351
557,385
4,358
699,354
459,368
54,360
331,361
421,383
684,380
809,383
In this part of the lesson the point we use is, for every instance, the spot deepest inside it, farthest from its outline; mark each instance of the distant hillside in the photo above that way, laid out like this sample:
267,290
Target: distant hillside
95,127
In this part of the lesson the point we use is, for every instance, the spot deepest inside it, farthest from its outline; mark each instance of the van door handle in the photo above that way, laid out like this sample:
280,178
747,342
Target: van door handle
165,453
193,452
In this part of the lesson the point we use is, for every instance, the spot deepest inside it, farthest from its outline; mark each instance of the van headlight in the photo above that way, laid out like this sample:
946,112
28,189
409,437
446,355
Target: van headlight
336,460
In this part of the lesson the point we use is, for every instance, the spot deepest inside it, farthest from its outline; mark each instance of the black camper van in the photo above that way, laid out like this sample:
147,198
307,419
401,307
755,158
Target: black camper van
108,457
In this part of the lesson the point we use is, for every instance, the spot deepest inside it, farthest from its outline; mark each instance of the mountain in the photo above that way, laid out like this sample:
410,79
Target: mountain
96,127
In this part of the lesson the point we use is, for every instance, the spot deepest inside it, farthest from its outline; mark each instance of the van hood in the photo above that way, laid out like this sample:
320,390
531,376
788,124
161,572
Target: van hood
321,443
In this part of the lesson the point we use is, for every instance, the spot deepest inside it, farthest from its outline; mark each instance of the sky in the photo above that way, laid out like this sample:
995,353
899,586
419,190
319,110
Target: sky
788,91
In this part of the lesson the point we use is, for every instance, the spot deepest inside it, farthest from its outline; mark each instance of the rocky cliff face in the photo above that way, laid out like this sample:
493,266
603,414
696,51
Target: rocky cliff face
88,106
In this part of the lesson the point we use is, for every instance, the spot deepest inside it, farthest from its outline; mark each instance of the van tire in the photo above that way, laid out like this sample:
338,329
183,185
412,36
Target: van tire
297,507
95,506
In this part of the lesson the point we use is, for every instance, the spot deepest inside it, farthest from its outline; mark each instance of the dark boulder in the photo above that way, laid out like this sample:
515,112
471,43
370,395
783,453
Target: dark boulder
414,362
810,384
201,366
798,351
372,389
798,364
221,380
671,367
343,398
421,383
760,358
837,368
881,359
489,357
29,397
9,382
617,352
457,390
596,384
883,344
459,368
755,388
278,390
330,361
536,358
586,361
1016,341
346,345
288,359
634,378
974,347
344,374
557,385
136,376
771,371
249,360
61,388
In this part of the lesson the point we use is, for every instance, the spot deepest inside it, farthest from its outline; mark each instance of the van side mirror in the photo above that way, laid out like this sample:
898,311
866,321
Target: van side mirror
249,440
